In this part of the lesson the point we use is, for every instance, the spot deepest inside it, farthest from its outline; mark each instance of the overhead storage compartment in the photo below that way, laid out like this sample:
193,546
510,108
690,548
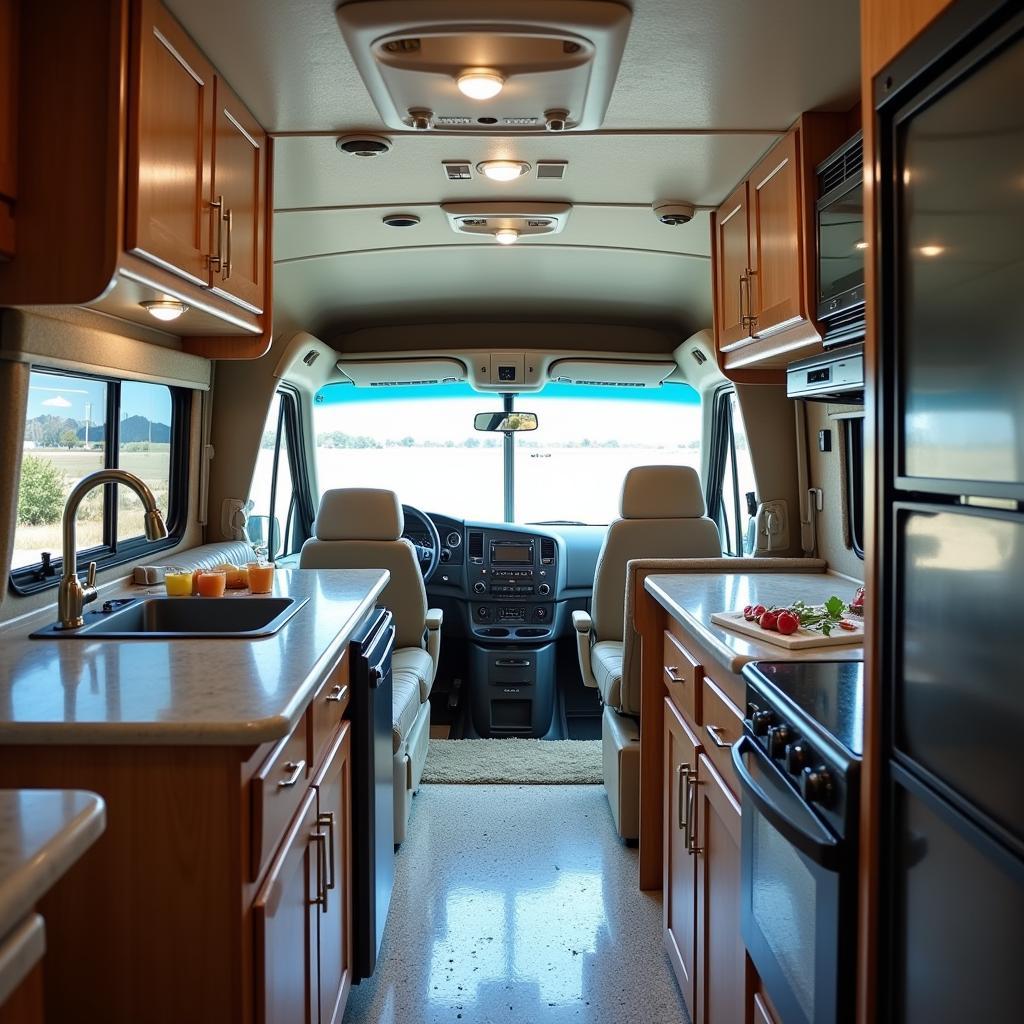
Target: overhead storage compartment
619,373
377,373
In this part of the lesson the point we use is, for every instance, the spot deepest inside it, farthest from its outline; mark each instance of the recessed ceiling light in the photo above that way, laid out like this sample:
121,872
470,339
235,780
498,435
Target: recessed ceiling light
503,170
506,236
932,250
861,245
480,84
164,309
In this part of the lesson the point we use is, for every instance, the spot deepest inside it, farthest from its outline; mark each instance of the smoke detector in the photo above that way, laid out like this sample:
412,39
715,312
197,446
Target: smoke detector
507,222
364,145
510,65
673,212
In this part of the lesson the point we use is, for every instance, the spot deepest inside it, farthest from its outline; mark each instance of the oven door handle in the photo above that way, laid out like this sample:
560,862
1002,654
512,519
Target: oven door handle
824,851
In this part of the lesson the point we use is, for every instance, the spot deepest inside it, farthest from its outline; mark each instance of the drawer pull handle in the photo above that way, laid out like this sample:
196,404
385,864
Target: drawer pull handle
337,695
320,900
673,673
328,820
296,768
684,776
691,831
714,731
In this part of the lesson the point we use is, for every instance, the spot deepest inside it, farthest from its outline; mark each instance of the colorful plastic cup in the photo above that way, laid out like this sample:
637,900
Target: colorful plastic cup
212,583
261,577
178,582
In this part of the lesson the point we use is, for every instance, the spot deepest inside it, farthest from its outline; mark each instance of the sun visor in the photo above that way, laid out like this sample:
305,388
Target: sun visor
375,373
621,373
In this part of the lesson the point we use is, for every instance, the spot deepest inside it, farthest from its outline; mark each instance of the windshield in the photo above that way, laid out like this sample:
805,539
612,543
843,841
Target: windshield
420,441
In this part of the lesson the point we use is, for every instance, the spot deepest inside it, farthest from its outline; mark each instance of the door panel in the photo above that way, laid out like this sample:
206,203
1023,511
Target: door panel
168,217
720,952
286,926
680,866
775,238
239,178
334,815
732,244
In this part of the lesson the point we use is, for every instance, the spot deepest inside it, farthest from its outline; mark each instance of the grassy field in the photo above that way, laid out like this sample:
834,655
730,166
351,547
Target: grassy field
152,466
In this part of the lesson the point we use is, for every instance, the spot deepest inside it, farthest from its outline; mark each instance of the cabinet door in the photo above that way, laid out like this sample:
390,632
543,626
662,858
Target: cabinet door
285,921
334,815
680,865
732,284
775,239
239,192
721,956
168,212
8,122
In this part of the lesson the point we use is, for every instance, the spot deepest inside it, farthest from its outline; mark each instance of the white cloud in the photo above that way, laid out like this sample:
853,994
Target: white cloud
59,401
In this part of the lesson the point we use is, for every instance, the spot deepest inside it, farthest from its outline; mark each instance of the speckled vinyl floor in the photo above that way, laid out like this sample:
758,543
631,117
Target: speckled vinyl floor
518,905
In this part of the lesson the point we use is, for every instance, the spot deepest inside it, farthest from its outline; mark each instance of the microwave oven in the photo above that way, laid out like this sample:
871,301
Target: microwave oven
841,243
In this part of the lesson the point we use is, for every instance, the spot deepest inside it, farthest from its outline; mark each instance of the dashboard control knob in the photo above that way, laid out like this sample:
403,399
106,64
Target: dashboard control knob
778,737
797,756
544,589
817,786
541,614
446,555
759,722
483,612
479,587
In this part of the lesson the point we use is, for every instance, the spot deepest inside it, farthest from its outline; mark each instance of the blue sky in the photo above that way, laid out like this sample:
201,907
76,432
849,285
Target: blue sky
74,397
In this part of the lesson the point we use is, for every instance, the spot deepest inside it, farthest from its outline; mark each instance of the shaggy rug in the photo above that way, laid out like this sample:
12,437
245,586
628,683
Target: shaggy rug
514,761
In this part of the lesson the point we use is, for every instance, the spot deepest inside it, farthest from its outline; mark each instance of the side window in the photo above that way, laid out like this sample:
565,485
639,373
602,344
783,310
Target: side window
731,491
854,442
74,426
279,518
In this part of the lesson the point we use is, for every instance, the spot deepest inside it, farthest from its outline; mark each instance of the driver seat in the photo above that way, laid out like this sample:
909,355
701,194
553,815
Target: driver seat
361,528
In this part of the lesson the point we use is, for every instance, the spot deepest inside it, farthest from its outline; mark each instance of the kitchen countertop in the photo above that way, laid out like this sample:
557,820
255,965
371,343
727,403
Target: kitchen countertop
42,833
187,691
692,598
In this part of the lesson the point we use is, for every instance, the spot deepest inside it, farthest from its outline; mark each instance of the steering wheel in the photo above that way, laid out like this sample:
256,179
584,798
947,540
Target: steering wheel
428,555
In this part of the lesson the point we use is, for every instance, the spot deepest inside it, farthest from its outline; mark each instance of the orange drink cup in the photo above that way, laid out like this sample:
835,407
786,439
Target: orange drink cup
211,584
261,577
178,582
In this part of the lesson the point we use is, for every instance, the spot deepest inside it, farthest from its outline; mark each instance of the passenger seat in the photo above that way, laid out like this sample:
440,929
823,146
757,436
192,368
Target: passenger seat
662,516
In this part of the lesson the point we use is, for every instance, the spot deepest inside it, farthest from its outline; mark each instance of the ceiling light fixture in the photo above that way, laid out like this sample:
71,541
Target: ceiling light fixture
164,309
480,84
932,250
503,170
861,245
506,236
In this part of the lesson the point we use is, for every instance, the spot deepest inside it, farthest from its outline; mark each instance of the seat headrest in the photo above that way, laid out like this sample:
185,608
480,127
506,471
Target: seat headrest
662,492
359,513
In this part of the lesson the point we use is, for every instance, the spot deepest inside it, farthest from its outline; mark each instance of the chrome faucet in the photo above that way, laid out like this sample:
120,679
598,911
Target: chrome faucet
72,597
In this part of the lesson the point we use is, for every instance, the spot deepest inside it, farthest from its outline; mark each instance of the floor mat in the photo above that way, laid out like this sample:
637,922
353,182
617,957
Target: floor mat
514,762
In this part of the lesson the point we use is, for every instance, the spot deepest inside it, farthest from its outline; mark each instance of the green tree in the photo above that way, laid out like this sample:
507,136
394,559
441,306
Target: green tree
69,439
41,492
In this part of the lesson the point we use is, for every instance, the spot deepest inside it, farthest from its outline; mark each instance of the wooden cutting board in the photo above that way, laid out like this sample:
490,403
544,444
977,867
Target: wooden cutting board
801,640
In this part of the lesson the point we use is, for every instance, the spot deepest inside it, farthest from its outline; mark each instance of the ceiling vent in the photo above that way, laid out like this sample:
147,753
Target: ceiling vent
401,220
457,170
510,65
523,218
364,145
552,170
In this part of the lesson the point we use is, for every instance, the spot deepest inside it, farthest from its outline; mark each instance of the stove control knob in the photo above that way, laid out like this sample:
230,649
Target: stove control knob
778,737
817,786
759,722
797,756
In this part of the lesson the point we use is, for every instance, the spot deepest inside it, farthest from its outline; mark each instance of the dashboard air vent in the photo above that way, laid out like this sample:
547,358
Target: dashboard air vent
547,551
476,546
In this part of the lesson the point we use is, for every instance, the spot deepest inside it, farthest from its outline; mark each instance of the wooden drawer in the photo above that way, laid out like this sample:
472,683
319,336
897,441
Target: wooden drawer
682,674
327,710
722,727
276,790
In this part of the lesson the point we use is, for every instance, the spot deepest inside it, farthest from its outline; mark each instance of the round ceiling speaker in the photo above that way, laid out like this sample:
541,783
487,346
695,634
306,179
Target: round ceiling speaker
401,220
364,145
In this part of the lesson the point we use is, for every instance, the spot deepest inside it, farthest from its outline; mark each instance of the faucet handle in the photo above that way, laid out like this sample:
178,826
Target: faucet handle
90,576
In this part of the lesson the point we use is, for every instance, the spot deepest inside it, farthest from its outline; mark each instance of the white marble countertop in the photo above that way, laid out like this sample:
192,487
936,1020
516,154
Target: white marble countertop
692,598
42,833
188,691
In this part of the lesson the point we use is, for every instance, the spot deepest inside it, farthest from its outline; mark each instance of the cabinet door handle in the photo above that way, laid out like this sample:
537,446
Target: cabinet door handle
320,900
673,673
217,260
337,695
691,831
715,731
684,775
751,318
743,316
229,216
328,820
296,768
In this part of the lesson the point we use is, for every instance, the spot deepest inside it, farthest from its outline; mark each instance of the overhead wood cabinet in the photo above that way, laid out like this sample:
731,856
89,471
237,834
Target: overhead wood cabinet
169,199
8,123
764,255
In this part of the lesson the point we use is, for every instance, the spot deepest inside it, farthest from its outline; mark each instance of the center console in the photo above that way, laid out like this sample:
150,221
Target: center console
513,582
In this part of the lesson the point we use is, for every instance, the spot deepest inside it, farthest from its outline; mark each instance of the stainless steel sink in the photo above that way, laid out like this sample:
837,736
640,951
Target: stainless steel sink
164,618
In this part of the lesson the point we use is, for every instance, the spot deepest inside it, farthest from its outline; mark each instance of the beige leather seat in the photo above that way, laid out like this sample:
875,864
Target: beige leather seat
361,528
662,516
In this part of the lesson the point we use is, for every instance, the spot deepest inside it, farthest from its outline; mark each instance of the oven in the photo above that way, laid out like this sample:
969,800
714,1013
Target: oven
798,860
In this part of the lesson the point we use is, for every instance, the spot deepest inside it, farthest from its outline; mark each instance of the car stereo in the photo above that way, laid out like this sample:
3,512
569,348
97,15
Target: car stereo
511,552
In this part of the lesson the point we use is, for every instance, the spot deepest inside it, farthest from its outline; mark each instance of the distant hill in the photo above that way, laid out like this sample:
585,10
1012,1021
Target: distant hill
45,430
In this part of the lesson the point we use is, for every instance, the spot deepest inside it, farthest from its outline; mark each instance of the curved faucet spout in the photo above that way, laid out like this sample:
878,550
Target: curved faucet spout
72,596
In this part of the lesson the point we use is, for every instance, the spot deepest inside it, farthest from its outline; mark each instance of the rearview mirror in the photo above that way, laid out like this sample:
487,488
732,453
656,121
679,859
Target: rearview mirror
505,422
